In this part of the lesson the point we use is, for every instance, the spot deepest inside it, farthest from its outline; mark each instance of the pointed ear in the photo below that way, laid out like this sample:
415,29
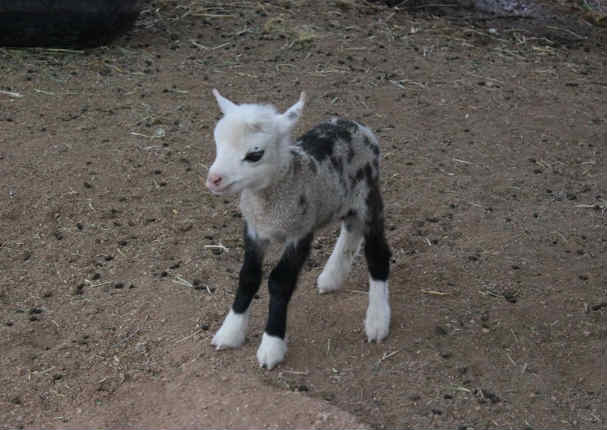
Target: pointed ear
224,104
292,115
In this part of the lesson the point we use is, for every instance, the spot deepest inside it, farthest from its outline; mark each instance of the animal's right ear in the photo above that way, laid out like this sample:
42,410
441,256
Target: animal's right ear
224,104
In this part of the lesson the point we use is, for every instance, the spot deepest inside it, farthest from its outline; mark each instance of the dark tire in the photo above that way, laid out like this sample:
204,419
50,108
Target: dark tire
65,23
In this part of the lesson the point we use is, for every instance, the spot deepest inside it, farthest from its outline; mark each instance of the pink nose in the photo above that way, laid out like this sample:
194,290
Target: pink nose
214,179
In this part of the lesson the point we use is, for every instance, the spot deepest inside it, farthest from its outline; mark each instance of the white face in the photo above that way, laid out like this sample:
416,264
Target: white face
246,157
248,141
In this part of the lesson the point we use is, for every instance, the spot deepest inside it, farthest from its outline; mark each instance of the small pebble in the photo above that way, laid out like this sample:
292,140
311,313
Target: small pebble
510,296
440,331
79,290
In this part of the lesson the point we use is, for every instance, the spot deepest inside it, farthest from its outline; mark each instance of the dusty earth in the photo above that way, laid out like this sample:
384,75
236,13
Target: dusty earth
117,266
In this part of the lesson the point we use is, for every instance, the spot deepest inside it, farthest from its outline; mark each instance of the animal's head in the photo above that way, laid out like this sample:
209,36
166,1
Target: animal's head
251,142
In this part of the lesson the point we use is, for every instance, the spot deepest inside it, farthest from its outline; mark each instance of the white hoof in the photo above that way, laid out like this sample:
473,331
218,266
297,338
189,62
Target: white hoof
271,351
377,321
233,331
328,282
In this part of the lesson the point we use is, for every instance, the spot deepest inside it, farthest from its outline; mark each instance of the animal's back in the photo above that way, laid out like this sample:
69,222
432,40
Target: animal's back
346,154
341,142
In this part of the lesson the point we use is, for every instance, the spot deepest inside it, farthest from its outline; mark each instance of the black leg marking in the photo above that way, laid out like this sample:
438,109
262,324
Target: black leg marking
377,251
250,273
282,282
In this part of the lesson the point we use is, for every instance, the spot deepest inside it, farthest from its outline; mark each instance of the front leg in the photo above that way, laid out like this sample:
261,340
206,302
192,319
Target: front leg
281,284
234,328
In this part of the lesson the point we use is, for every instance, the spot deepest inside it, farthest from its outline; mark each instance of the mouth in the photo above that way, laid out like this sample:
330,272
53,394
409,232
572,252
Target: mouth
223,189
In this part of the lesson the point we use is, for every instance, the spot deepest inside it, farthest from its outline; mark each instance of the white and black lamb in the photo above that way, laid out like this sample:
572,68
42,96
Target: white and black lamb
288,190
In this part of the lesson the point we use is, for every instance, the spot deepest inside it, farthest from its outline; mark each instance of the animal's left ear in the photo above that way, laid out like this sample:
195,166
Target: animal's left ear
292,115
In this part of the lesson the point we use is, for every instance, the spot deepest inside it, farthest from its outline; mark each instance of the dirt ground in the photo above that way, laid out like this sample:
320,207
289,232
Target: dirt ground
117,265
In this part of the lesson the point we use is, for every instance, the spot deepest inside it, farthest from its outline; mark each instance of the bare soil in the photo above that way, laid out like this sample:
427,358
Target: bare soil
117,265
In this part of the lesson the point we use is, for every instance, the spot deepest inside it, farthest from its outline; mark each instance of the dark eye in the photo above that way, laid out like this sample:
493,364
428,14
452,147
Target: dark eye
254,156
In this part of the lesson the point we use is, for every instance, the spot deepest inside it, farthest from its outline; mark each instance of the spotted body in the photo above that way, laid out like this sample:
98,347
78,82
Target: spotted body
288,190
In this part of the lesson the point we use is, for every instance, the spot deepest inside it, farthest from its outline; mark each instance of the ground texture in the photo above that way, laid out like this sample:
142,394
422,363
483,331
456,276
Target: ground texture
117,265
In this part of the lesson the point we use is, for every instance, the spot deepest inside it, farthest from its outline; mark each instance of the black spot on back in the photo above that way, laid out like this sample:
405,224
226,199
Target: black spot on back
346,124
320,141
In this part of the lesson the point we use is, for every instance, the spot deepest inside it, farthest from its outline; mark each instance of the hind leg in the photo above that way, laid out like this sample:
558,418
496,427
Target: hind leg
340,262
377,253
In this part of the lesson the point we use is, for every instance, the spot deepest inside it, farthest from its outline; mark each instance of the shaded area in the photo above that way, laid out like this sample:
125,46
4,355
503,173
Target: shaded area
556,23
65,23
